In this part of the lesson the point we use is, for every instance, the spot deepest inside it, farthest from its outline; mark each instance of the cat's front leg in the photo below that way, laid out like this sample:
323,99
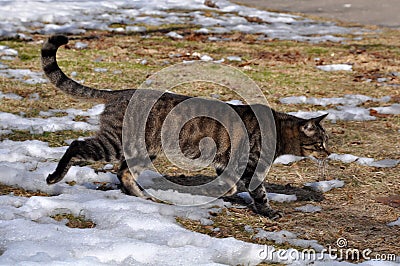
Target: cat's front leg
92,149
65,163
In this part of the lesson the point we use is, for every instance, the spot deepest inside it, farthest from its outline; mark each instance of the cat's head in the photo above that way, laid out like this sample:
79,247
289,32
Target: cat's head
313,138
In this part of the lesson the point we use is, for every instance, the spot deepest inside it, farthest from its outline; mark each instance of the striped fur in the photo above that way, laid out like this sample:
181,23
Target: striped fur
293,135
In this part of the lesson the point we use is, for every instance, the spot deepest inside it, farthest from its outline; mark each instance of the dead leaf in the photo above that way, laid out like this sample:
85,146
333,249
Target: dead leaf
392,201
210,3
395,98
254,19
375,113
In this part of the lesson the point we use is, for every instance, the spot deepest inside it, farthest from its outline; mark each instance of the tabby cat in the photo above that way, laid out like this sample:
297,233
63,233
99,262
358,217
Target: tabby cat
302,137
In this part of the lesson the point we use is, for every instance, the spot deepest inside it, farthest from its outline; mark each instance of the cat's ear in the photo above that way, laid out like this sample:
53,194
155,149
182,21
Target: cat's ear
318,119
308,127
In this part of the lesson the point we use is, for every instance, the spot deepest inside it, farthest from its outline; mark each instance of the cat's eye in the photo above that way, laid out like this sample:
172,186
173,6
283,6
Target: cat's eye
320,146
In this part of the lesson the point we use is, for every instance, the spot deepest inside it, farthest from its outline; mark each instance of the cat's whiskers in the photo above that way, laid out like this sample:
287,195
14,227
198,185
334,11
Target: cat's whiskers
322,163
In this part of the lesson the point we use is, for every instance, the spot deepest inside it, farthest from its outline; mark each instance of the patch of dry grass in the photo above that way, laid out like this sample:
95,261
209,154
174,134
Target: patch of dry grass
73,221
20,192
55,139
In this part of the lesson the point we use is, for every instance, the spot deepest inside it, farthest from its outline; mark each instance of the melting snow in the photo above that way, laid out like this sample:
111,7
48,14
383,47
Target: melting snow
325,186
309,208
336,67
346,113
174,35
38,125
78,16
347,109
284,236
130,230
235,102
271,196
7,53
348,99
288,159
394,109
81,45
234,58
10,96
395,223
23,75
281,197
349,158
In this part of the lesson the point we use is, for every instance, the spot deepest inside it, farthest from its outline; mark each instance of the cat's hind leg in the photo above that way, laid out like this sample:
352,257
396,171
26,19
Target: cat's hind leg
86,150
260,204
129,184
229,182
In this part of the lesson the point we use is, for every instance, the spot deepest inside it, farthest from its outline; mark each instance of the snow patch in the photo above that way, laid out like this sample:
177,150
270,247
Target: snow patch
348,99
308,208
281,197
284,236
12,96
271,196
174,35
395,223
235,102
394,109
288,159
325,186
38,125
336,67
50,17
23,75
234,58
349,158
128,229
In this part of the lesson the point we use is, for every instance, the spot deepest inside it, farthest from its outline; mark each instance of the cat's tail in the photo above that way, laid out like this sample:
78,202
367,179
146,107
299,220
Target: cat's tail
58,78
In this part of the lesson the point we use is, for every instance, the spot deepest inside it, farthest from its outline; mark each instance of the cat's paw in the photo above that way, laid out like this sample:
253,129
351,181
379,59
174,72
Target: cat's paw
53,178
267,211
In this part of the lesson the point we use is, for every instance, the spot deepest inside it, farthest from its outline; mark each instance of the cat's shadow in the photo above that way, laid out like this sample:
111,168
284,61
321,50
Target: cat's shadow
194,185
